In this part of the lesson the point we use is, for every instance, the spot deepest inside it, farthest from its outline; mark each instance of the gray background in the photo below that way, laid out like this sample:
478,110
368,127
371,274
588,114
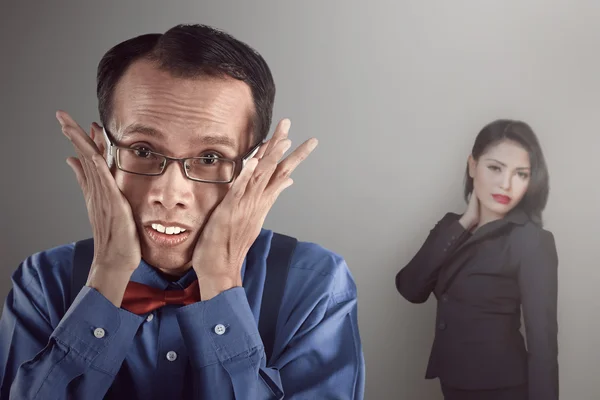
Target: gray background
395,91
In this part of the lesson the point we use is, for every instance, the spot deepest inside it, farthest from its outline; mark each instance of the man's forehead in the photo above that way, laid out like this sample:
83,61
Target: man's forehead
143,79
205,137
209,110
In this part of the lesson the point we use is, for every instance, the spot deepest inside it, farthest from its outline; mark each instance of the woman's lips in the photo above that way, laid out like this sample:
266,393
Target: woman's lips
501,198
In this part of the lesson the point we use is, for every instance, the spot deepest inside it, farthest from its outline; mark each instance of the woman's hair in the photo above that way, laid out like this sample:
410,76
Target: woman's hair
536,197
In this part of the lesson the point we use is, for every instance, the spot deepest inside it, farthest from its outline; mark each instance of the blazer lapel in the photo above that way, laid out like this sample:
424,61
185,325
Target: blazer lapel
460,257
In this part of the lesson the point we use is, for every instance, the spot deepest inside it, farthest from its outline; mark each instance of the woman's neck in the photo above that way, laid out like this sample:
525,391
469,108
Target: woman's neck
486,216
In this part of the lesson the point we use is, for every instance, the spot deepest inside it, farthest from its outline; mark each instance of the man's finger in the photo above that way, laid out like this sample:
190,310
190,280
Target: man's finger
105,180
84,147
261,150
77,135
280,188
266,166
87,169
237,190
77,168
287,166
268,203
281,132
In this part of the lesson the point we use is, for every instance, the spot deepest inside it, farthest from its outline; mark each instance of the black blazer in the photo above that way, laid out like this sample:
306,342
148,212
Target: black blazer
481,280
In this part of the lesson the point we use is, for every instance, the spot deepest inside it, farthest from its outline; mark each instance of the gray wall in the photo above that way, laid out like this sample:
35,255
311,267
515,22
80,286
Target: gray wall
394,90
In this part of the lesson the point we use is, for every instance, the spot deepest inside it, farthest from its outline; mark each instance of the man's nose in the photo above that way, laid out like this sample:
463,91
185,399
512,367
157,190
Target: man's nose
172,189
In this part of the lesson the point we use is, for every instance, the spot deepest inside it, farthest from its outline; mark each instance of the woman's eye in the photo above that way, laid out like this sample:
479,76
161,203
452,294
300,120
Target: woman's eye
523,175
494,168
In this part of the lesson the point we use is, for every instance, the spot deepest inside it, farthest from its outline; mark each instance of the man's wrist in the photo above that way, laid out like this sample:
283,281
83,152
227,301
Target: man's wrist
212,286
110,282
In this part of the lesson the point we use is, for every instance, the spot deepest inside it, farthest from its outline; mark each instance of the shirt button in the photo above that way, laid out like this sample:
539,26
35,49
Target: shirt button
99,333
220,329
171,356
442,326
445,298
150,317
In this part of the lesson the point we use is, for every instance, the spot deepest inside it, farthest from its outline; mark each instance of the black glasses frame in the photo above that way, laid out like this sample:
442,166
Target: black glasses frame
113,153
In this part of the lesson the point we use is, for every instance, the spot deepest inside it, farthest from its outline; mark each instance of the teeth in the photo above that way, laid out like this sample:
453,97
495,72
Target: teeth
169,230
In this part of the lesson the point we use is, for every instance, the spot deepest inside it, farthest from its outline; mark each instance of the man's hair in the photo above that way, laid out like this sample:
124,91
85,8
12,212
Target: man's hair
191,51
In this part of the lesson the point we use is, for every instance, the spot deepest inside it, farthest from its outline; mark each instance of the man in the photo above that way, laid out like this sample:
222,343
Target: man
178,180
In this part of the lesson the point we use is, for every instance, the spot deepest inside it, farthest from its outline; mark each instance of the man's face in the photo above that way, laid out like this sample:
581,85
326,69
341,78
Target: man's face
178,118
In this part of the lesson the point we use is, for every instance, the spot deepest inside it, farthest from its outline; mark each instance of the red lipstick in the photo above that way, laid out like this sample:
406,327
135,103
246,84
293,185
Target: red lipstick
501,198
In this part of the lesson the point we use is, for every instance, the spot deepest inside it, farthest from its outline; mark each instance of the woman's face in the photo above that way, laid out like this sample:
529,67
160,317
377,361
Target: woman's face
500,178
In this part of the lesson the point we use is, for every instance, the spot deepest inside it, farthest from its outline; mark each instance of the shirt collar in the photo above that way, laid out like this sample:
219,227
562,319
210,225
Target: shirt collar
149,275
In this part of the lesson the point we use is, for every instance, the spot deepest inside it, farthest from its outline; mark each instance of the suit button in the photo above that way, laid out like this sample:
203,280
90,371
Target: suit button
445,298
442,326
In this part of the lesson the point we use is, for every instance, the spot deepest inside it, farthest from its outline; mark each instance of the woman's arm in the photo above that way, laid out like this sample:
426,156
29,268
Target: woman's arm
417,279
538,282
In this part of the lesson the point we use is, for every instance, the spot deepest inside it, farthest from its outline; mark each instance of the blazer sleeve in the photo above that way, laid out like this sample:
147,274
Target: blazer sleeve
538,283
417,279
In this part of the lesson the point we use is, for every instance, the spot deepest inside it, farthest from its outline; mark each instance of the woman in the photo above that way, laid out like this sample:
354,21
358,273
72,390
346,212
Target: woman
484,266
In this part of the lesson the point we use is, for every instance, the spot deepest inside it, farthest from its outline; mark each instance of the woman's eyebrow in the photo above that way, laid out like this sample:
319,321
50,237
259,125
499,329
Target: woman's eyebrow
504,165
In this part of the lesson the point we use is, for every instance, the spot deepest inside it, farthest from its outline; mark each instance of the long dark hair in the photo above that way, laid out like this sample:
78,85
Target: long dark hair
536,197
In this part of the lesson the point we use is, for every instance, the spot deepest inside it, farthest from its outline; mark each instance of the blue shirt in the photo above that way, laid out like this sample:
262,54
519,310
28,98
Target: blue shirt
95,350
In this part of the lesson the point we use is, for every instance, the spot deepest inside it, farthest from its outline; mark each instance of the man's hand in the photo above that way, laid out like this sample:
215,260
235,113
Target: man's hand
236,222
117,250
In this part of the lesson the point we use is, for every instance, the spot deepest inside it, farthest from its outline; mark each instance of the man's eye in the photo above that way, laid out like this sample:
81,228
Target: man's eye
142,152
210,159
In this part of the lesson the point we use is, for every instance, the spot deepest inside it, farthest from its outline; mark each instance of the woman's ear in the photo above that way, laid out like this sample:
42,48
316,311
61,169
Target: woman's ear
472,165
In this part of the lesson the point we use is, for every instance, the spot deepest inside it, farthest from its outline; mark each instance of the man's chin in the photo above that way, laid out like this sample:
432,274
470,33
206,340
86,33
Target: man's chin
170,262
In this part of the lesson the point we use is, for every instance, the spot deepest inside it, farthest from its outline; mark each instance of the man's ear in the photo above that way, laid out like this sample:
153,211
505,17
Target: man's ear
97,136
472,165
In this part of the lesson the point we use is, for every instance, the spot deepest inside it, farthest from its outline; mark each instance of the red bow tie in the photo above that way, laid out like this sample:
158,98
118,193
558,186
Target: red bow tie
142,299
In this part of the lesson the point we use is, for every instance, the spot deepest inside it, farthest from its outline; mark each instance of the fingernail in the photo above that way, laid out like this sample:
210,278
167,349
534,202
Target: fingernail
286,124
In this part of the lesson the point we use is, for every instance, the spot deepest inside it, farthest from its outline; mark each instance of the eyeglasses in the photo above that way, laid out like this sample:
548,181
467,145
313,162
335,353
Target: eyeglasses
209,169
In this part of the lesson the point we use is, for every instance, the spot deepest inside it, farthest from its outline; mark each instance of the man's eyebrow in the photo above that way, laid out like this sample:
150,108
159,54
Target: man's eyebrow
216,140
207,140
504,165
143,129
